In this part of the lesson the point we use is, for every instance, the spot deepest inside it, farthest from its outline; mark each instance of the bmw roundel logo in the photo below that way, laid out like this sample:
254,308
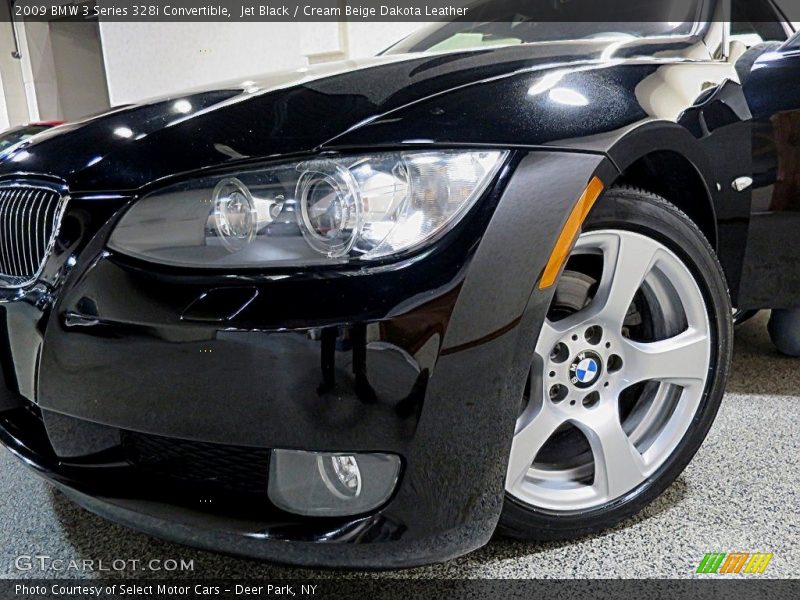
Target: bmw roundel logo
585,369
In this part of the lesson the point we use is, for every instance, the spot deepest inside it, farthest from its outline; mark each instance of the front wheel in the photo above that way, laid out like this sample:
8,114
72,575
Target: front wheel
628,371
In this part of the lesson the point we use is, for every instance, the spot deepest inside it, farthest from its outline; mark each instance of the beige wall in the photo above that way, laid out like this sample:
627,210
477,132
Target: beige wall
145,60
40,70
367,39
63,70
13,105
79,70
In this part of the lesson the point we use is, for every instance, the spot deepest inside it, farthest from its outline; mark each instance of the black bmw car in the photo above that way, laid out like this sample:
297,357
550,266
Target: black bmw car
368,314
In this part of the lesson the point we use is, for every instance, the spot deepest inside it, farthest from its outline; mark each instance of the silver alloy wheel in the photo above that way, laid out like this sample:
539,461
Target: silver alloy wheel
585,361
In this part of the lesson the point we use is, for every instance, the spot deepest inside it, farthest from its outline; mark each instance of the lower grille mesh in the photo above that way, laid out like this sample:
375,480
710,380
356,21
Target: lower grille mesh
28,216
226,468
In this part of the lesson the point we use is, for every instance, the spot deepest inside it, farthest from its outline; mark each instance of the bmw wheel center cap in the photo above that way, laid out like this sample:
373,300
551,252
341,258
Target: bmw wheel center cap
585,370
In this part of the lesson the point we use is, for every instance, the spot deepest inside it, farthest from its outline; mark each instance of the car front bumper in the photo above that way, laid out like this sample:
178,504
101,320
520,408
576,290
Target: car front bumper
425,359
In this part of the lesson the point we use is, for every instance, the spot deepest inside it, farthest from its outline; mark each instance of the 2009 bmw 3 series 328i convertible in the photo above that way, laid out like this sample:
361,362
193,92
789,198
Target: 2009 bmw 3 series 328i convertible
369,314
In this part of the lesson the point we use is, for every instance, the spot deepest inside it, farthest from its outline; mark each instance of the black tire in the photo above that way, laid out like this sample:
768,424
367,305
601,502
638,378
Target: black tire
639,211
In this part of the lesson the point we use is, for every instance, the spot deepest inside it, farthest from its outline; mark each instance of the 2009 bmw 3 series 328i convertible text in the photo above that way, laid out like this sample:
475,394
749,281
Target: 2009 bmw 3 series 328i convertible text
370,313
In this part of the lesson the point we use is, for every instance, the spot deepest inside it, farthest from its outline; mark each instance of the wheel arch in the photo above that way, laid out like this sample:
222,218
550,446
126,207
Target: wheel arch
665,159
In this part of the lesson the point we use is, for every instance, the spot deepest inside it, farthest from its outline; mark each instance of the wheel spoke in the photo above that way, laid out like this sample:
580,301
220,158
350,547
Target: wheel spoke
528,441
549,336
626,263
681,358
618,466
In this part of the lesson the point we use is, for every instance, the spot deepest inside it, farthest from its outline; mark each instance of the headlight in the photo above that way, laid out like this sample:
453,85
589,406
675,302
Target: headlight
322,211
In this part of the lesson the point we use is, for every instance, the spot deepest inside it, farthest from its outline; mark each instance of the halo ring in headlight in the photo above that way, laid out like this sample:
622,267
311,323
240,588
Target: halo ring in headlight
235,217
330,207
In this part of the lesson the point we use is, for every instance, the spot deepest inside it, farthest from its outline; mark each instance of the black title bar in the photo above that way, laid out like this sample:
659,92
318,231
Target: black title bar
605,11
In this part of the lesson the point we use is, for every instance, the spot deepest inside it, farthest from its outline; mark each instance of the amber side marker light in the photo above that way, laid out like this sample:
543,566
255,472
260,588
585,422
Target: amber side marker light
569,232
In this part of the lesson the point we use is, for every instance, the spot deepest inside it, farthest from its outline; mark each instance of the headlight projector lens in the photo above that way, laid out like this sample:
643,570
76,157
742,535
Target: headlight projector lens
234,214
330,210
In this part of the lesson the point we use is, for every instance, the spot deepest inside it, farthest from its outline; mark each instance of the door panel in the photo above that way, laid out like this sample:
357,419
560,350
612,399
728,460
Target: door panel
771,276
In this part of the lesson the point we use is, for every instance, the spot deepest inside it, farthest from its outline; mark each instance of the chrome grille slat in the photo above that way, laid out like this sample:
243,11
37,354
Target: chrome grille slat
18,233
24,241
7,228
39,256
35,258
27,248
12,235
3,252
4,229
28,221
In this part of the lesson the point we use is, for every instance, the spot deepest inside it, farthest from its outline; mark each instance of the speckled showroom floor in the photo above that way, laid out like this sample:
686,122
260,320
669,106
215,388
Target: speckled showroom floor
741,493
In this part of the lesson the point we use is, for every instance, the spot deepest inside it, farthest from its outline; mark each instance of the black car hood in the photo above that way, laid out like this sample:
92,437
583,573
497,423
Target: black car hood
281,115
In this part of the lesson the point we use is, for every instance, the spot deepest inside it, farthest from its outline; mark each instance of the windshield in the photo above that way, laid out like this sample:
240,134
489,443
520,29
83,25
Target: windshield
513,22
14,136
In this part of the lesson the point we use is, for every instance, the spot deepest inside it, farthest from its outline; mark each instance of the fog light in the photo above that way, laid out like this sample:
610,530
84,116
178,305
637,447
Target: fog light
331,484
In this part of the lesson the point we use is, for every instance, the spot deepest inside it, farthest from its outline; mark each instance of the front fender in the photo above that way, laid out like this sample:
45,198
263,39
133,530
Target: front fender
488,349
